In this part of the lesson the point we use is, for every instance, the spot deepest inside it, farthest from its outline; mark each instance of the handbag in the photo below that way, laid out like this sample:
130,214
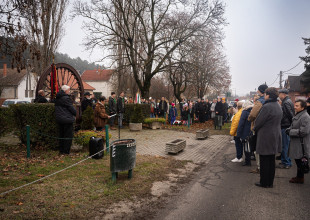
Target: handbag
252,141
304,159
246,146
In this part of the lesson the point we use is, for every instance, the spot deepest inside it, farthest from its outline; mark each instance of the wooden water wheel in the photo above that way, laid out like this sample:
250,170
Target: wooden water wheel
66,75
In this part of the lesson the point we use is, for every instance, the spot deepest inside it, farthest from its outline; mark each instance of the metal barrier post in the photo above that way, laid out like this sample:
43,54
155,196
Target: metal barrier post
107,138
28,140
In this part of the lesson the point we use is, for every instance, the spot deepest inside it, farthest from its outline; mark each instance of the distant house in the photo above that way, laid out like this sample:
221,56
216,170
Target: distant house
13,84
293,85
100,80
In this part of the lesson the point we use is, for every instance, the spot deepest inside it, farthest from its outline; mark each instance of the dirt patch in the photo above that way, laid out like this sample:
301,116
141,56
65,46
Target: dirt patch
142,207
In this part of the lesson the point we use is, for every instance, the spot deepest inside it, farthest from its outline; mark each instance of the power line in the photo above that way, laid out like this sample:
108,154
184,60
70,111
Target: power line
292,67
274,80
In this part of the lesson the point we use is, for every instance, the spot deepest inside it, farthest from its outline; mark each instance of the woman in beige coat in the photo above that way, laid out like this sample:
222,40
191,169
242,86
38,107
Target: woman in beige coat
100,116
299,131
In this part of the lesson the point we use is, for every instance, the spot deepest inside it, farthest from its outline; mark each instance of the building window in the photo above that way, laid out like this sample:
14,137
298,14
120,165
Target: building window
26,94
31,93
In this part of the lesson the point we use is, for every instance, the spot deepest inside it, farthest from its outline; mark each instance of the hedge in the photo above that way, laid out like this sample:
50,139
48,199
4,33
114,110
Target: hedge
6,121
41,118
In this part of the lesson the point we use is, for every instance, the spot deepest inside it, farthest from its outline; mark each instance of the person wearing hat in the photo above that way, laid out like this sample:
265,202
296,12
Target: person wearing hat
252,117
173,113
86,101
288,114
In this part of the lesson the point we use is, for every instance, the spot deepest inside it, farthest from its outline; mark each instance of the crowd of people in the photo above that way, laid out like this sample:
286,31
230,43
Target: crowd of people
270,125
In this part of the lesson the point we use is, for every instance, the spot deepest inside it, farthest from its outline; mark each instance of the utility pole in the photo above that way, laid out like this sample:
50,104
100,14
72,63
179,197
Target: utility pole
281,75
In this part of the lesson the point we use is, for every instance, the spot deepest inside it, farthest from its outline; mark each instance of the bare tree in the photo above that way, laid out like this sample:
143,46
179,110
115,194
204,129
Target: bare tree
211,71
13,42
44,21
143,29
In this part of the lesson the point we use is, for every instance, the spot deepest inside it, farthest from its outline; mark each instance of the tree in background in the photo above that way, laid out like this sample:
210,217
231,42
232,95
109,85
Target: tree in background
13,42
44,20
146,32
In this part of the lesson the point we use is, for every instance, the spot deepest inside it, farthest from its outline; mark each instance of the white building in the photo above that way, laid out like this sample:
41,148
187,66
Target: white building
13,84
100,80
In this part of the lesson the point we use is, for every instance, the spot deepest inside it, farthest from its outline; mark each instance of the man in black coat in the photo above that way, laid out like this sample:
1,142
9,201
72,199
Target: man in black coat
112,109
41,97
288,114
162,108
65,116
202,110
87,101
121,108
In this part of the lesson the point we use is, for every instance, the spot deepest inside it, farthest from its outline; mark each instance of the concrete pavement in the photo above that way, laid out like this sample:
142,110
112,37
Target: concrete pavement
153,142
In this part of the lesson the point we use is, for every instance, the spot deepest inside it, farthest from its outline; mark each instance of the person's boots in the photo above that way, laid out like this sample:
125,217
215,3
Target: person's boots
247,161
297,180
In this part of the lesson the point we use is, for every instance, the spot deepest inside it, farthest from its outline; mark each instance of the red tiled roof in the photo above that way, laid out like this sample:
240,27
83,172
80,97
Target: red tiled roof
87,86
97,75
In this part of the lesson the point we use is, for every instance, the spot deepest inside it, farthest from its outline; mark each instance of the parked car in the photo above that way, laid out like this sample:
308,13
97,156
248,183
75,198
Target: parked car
8,102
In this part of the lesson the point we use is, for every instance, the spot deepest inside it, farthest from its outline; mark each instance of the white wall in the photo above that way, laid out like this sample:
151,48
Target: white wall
101,86
22,88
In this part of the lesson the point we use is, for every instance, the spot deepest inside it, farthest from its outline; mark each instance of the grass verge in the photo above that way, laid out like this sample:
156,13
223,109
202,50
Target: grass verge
78,192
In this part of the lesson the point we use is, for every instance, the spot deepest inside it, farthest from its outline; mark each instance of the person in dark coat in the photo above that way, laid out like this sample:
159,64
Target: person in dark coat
299,131
112,109
202,111
196,108
65,116
219,107
173,112
162,108
308,106
121,108
269,141
288,114
244,131
87,101
41,97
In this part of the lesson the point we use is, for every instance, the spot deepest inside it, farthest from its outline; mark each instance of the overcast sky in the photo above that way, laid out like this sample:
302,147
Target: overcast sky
263,37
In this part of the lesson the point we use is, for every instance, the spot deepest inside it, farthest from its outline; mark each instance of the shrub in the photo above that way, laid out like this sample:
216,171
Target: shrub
41,118
137,115
82,137
150,120
88,119
6,120
131,108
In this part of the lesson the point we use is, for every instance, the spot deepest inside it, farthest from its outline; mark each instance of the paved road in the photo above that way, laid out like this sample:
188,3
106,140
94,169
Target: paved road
153,142
225,190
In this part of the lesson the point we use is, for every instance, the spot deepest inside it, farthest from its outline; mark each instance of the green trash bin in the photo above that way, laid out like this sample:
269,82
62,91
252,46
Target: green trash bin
122,157
218,121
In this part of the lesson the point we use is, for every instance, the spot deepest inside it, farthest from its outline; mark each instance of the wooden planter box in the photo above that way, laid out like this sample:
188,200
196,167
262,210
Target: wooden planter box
175,146
156,125
202,134
135,126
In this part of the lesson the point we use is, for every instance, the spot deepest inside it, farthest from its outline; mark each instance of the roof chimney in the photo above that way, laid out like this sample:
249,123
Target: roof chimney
4,70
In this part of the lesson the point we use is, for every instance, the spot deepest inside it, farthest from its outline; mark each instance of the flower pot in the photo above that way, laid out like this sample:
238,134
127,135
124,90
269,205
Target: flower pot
135,126
202,134
175,146
156,125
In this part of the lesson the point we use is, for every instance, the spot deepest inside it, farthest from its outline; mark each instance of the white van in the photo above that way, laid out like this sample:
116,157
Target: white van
8,102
